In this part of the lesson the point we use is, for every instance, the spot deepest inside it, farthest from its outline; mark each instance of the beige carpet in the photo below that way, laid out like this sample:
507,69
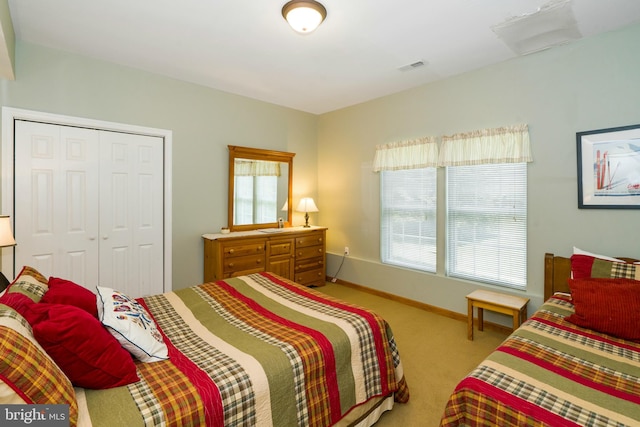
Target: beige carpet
434,350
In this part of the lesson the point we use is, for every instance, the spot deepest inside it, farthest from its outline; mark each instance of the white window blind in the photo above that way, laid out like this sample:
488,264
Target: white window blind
487,205
408,218
487,223
266,210
408,202
243,208
255,199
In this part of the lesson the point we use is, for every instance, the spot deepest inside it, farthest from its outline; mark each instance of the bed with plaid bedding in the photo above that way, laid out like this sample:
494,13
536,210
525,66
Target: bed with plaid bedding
255,350
550,372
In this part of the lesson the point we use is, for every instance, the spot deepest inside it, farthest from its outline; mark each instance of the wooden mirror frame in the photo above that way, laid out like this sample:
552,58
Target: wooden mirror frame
236,152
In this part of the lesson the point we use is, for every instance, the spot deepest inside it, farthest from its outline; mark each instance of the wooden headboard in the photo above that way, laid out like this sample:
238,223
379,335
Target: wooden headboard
557,270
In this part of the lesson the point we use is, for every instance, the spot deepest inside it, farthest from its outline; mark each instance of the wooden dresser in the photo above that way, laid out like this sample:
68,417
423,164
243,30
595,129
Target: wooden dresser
296,253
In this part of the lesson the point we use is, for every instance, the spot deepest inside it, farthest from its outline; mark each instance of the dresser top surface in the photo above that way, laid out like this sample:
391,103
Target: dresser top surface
263,232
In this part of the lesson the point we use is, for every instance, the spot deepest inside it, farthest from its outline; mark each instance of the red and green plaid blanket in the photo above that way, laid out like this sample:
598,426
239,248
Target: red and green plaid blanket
550,372
254,351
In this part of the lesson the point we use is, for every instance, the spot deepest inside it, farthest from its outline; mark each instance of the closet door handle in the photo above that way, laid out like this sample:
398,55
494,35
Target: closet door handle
92,237
105,237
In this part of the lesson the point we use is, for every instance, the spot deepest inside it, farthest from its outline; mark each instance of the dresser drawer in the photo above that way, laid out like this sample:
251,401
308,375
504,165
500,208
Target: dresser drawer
311,277
281,248
311,239
309,264
243,250
309,252
251,263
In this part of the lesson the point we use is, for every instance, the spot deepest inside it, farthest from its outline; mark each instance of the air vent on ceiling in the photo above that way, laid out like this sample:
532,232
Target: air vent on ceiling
412,66
551,25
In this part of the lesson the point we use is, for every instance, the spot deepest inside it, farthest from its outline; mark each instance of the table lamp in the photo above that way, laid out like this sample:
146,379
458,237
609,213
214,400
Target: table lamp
6,239
307,205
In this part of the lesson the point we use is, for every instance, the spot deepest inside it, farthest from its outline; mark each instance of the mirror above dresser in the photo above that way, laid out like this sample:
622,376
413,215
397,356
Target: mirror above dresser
260,188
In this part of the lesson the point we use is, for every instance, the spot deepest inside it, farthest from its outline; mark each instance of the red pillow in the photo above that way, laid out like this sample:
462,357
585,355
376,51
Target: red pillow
610,306
85,351
63,291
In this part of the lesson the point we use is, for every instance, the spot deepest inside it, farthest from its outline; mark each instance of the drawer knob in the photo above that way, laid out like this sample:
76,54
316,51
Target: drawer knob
231,250
231,265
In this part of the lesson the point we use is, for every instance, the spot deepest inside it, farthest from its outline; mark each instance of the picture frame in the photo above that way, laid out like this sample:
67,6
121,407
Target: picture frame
609,168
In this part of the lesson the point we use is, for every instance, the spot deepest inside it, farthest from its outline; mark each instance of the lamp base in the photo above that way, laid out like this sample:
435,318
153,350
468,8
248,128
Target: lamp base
306,220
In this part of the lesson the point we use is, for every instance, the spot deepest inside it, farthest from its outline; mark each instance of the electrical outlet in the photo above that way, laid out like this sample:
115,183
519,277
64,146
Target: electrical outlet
346,250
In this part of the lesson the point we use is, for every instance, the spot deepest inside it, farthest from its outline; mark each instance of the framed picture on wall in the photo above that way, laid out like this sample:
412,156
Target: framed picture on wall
609,168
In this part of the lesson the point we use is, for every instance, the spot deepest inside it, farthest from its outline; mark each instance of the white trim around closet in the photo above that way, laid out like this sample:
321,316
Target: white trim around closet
10,114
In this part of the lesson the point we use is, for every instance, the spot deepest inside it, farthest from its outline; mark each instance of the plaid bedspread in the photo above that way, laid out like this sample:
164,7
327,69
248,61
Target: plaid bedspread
551,373
254,351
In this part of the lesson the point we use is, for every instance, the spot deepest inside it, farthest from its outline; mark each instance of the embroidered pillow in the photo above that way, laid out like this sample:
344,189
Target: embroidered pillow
610,306
131,324
85,350
584,266
27,370
63,291
30,283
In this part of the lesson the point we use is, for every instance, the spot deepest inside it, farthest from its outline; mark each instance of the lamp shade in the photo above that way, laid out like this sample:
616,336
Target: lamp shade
307,205
304,16
6,235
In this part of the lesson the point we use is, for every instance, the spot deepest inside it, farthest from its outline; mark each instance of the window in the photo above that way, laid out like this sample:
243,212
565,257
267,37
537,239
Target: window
487,223
486,204
408,202
255,190
259,189
408,218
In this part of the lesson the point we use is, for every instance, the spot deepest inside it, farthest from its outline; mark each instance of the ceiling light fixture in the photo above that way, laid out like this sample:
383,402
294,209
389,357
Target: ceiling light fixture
304,16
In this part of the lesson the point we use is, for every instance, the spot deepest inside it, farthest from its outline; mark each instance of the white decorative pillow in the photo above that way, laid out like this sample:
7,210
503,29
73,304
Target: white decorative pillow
131,324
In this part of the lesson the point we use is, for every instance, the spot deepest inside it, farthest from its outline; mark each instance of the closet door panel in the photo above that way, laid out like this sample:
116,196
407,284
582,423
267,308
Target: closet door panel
132,177
56,206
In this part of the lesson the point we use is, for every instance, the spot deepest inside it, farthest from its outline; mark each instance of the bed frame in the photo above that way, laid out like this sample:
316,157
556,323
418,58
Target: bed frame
557,270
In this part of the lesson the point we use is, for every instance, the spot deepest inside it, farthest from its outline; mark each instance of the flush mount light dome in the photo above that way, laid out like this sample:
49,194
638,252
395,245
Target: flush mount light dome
304,16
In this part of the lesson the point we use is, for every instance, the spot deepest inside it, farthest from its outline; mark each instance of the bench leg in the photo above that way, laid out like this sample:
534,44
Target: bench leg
516,319
470,320
480,319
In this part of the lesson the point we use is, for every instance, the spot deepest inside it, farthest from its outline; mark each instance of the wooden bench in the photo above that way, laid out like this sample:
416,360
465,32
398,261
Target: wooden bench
514,306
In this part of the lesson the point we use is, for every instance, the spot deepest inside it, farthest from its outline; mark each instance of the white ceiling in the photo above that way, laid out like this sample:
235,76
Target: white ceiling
245,46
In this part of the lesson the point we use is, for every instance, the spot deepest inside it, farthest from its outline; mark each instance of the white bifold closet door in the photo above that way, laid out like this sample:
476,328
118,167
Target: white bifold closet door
89,206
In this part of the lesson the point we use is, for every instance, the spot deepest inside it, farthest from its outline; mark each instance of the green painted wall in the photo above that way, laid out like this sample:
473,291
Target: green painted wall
203,121
591,84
